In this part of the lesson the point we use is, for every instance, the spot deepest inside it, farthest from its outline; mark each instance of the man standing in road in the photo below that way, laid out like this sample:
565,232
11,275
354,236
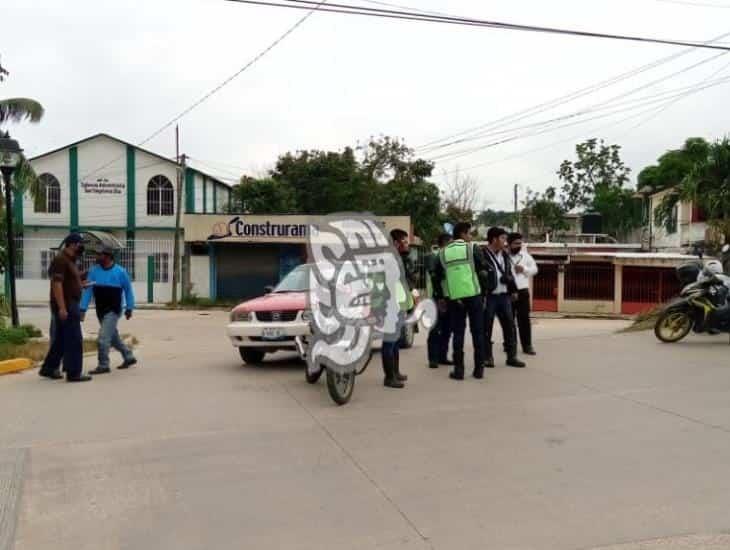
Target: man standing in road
109,284
67,340
524,268
391,350
457,276
440,335
499,301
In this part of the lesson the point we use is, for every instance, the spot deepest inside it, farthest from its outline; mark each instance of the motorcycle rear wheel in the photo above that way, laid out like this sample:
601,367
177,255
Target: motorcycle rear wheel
672,326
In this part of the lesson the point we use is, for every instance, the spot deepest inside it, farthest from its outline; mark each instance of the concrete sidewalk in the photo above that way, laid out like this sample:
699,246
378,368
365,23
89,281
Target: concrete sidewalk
603,441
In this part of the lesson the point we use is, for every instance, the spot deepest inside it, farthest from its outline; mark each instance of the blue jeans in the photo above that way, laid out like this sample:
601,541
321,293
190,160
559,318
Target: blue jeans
109,338
66,344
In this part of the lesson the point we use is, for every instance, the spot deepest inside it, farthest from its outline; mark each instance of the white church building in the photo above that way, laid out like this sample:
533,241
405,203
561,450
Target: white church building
104,183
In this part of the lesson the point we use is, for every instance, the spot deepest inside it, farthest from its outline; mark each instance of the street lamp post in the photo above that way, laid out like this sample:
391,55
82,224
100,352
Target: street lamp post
10,153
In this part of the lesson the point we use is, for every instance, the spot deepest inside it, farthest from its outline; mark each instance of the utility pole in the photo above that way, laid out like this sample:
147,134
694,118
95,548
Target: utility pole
178,207
516,222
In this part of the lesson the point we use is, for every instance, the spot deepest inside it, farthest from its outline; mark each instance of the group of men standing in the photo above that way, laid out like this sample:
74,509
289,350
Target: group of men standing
478,284
108,284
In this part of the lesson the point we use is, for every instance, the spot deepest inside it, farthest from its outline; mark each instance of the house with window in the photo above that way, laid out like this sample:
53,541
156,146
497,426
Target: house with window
686,226
107,184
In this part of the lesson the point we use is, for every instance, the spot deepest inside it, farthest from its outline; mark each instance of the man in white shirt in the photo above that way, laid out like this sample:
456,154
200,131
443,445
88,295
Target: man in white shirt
524,268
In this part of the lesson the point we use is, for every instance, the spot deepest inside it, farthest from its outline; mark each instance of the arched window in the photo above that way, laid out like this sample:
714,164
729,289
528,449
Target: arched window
48,199
160,197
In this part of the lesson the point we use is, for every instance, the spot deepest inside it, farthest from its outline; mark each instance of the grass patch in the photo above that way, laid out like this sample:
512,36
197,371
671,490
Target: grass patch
36,350
195,302
644,321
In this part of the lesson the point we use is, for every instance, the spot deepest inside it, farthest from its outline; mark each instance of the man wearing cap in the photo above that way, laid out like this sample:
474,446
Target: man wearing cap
111,289
67,341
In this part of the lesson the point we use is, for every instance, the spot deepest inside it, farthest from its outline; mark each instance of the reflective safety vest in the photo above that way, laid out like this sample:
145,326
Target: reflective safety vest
405,298
377,297
461,275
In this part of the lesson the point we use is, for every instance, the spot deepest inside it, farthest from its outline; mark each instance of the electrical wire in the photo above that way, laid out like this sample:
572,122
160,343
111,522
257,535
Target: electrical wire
549,105
560,142
224,83
349,9
612,102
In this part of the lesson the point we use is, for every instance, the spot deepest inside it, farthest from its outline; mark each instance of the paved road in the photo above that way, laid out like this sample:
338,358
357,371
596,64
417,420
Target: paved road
605,440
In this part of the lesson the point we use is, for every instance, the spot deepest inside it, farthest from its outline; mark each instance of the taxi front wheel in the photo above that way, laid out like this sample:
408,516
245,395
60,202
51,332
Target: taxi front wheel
251,356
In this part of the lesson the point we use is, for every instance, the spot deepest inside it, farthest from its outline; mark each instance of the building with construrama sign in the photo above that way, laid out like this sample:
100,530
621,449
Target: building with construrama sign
106,184
233,257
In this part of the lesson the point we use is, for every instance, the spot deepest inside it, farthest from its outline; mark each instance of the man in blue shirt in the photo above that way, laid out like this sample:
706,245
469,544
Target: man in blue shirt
111,289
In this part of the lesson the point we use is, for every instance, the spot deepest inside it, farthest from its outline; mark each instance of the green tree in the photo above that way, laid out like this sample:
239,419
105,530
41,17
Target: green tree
492,218
322,182
707,184
543,213
262,196
674,166
25,179
596,181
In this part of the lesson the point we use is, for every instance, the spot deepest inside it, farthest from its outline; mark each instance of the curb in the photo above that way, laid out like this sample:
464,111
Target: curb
15,365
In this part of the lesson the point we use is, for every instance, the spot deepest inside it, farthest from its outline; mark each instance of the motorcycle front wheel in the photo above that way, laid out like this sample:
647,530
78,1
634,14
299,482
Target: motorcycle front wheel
672,326
340,386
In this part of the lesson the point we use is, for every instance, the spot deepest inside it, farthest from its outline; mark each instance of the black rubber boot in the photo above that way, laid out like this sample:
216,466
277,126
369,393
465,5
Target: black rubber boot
479,371
514,362
400,377
389,369
458,372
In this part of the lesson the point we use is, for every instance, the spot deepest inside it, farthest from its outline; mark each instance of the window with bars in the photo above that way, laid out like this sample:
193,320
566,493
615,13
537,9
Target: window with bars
162,265
125,257
160,197
48,199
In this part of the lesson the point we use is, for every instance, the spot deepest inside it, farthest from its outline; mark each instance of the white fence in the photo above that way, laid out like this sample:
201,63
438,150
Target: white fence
149,264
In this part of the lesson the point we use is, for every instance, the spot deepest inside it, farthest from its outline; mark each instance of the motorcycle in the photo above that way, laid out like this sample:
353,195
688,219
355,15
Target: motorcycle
702,305
340,385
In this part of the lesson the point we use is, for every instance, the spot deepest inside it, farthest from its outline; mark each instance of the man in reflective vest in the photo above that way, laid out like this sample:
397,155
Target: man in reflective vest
457,272
390,352
440,335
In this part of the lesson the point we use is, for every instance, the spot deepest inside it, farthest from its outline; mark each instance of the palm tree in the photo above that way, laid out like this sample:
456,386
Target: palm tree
20,108
707,185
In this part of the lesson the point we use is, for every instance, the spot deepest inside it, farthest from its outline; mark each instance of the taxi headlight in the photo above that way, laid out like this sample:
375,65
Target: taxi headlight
241,316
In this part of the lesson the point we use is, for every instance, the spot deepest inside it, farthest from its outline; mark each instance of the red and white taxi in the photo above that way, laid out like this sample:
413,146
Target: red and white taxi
272,322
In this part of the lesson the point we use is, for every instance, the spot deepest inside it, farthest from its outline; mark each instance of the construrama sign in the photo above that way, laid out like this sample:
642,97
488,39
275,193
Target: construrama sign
238,228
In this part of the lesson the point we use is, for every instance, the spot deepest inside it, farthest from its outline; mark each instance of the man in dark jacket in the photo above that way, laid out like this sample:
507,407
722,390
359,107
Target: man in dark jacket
440,335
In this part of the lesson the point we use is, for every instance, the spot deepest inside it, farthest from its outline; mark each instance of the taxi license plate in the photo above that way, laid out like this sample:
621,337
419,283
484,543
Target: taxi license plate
272,334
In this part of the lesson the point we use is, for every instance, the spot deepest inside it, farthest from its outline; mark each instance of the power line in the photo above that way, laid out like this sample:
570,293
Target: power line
548,105
416,16
225,82
612,102
577,136
696,4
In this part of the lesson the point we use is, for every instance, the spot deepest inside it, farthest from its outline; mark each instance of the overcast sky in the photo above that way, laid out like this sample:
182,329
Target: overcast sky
127,67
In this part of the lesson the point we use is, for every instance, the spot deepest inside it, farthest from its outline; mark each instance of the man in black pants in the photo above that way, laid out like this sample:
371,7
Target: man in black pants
499,301
440,335
524,267
67,343
457,274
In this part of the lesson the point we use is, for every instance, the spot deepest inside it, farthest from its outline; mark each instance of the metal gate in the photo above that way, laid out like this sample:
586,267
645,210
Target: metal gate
545,288
591,281
647,287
